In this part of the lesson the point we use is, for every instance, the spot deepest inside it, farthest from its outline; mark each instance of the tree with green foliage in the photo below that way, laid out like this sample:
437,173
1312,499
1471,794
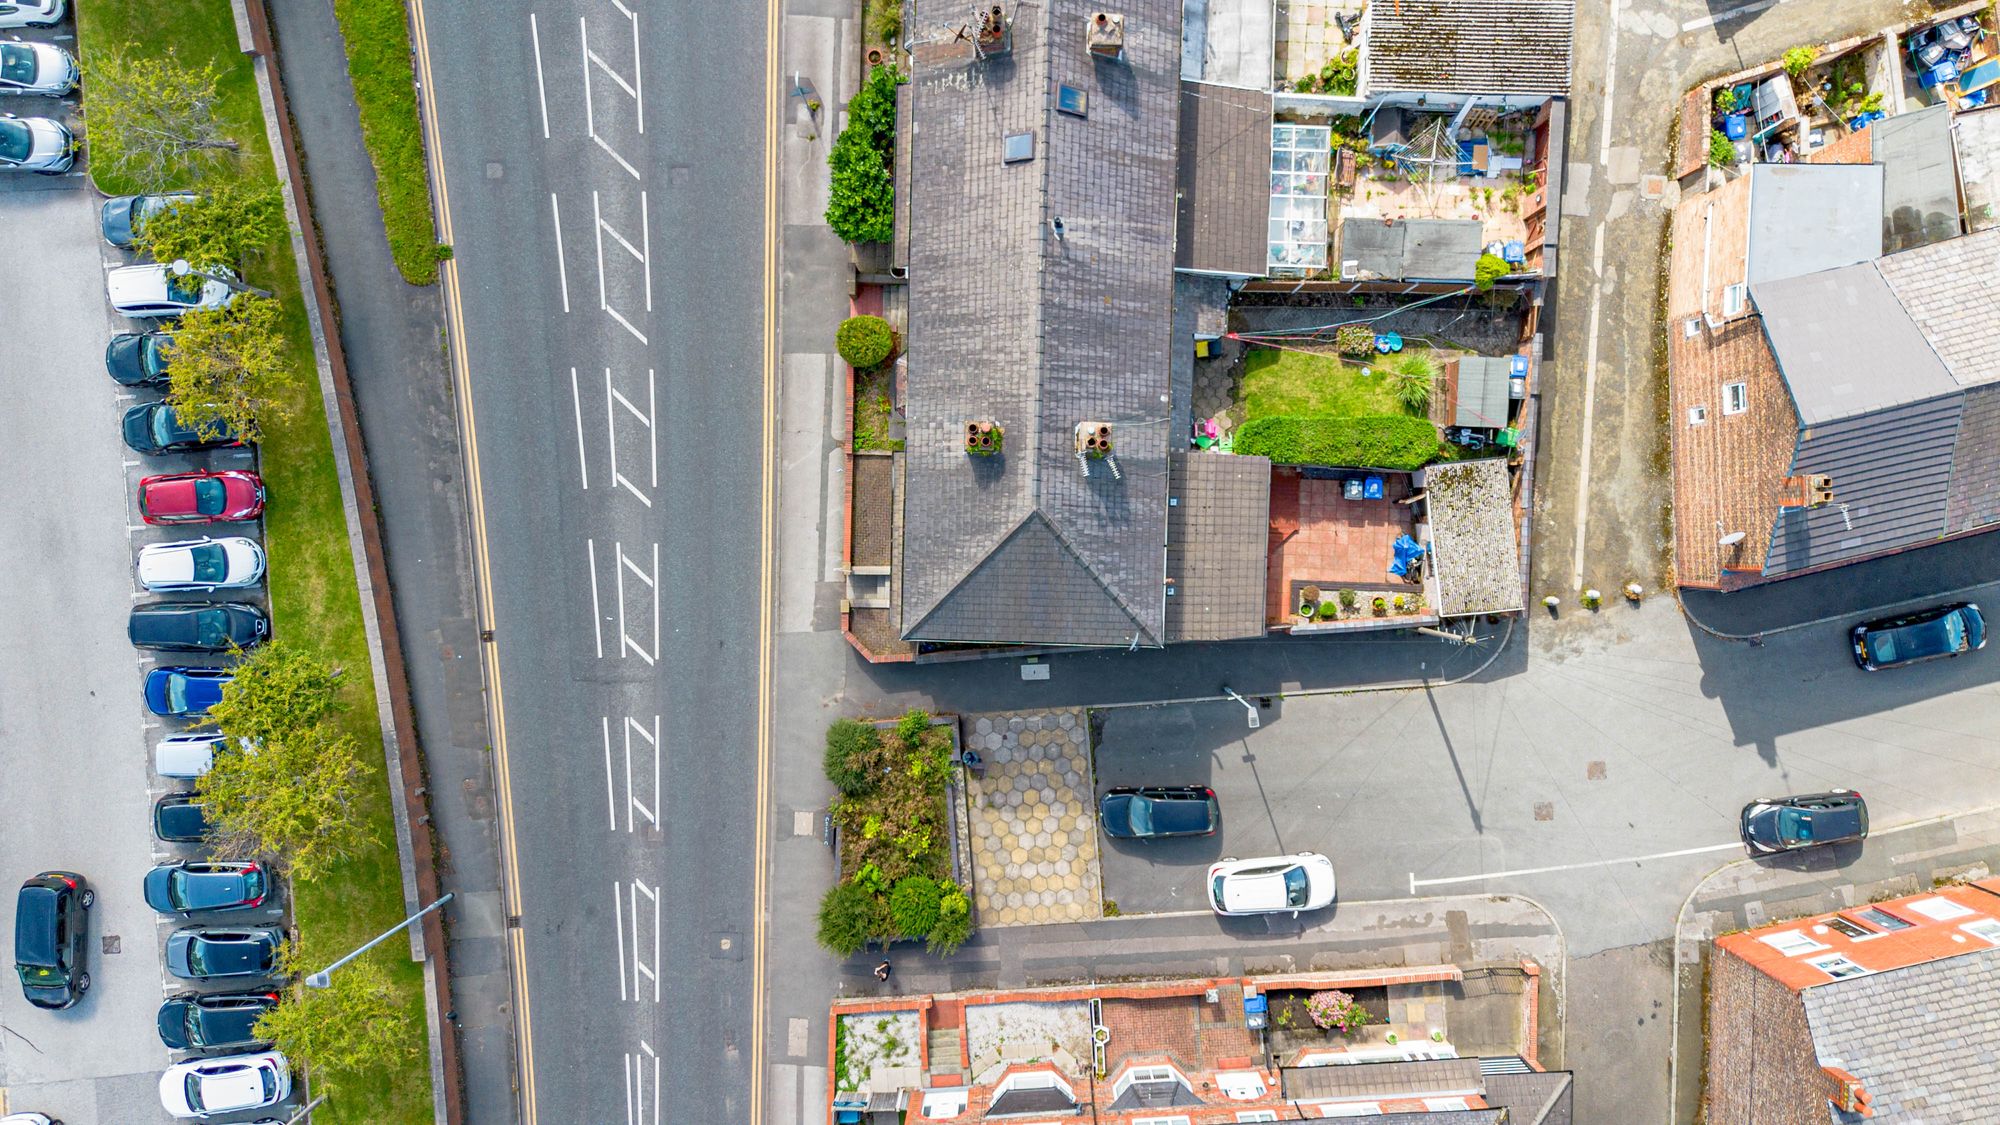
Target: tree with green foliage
862,204
914,905
296,797
228,369
1489,269
864,341
1798,60
227,220
1721,150
851,916
352,1026
1415,375
281,690
153,121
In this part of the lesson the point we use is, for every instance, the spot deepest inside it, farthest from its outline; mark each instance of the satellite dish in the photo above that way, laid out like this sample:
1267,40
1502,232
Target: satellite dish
1732,539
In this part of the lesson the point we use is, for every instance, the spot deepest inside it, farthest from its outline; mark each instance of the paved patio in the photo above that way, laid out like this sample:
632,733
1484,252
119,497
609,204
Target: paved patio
1319,537
1034,830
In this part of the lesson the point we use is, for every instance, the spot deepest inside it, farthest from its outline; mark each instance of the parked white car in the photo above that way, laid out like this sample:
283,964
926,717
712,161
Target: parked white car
29,1119
36,144
31,13
185,755
1278,884
154,291
201,564
36,68
230,1084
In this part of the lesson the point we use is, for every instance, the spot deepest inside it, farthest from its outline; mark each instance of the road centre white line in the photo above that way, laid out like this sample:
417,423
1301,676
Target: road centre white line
562,267
1518,872
610,788
618,930
589,113
541,88
576,403
596,612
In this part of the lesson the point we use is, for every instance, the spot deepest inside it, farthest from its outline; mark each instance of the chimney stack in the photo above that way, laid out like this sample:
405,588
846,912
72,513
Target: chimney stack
983,437
1846,1092
1106,36
995,33
1093,439
1814,490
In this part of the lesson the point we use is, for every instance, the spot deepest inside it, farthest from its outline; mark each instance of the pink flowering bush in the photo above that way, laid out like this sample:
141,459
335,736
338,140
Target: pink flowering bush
1333,1010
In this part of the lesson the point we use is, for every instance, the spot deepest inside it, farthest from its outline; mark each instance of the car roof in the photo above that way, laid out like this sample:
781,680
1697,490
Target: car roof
1263,888
237,1086
173,497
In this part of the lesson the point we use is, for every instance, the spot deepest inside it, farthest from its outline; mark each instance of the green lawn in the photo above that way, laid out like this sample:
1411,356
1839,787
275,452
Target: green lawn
377,35
1282,382
313,592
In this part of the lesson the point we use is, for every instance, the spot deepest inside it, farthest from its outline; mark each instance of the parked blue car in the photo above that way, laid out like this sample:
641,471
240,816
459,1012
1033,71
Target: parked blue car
1930,634
177,691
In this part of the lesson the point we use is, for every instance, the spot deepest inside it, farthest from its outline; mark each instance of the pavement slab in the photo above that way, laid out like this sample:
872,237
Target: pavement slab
1034,824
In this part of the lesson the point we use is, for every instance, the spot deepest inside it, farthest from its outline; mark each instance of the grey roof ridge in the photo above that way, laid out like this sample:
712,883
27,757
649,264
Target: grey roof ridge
1043,163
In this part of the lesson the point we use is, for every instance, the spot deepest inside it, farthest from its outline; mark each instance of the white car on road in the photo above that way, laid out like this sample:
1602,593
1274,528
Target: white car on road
201,564
36,144
31,13
1273,885
36,68
155,291
231,1084
186,755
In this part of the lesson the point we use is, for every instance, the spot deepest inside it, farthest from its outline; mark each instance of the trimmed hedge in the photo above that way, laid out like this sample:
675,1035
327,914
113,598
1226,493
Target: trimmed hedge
1383,441
861,205
864,341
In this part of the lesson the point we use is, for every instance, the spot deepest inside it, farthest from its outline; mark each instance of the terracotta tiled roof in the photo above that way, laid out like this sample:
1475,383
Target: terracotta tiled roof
1728,467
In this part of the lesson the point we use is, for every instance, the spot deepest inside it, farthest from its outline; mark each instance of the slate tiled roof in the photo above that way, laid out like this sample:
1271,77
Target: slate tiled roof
1947,288
1538,1098
1383,1080
1012,324
1923,1040
1224,176
1975,469
1468,46
1891,475
1218,510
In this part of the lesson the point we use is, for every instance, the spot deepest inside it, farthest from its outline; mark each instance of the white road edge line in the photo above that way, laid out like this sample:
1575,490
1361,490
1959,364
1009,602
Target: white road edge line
618,930
1416,882
562,267
610,789
541,88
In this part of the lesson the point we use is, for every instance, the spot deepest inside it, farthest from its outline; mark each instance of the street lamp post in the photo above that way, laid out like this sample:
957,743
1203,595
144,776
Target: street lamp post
324,977
181,268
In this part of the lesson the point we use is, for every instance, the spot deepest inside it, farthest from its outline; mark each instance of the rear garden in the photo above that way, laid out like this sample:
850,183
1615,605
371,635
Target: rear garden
1348,408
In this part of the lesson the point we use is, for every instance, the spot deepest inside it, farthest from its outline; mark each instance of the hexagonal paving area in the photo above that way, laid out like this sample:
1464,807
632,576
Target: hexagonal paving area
1034,829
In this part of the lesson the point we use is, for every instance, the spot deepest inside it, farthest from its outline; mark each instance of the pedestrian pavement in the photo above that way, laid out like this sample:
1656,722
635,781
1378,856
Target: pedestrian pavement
1034,829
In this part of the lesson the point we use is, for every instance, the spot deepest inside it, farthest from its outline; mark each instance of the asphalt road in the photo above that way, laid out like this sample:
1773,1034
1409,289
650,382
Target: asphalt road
612,320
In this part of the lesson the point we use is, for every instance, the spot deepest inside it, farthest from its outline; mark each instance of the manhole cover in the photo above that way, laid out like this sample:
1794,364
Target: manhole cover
111,943
1545,810
493,170
1594,771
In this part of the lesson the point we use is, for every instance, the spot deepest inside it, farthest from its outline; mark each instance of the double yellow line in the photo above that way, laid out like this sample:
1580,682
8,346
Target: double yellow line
490,656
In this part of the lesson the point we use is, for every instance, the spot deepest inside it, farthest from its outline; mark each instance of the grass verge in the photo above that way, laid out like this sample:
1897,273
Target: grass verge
1282,382
312,585
376,34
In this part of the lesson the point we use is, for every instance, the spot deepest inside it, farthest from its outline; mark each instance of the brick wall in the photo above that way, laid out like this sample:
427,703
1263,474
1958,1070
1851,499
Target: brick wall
1761,1066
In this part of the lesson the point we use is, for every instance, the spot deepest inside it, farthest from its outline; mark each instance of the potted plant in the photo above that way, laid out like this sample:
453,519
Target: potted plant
1328,611
1348,598
1308,601
1381,606
1401,603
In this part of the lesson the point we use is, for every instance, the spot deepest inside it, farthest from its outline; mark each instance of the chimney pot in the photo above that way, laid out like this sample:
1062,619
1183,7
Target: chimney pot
1106,36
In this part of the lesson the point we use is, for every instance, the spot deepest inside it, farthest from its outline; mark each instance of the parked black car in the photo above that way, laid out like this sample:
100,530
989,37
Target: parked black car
196,626
178,818
204,953
195,1021
123,217
151,428
1929,634
1152,812
1810,820
138,359
50,931
193,887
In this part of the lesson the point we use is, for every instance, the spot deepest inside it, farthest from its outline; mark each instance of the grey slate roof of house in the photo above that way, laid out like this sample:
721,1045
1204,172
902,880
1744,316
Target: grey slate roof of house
1413,249
1540,1098
1036,1099
1468,47
1845,345
1482,391
1919,178
1218,541
1223,180
1810,217
1947,288
1443,1117
1009,323
1922,1039
1426,1078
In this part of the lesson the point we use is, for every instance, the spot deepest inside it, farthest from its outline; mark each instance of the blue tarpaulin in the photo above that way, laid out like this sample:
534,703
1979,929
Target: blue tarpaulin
1407,551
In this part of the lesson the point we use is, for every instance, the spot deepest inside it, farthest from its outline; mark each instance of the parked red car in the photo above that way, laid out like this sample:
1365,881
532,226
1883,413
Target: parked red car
208,496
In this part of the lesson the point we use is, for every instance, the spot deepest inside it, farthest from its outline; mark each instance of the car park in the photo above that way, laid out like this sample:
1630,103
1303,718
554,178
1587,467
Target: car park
193,887
230,563
196,1021
1272,885
1153,812
178,818
153,428
36,68
1929,634
208,496
138,359
36,144
231,1084
154,290
1809,820
196,626
204,953
31,13
122,219
179,691
51,926
184,756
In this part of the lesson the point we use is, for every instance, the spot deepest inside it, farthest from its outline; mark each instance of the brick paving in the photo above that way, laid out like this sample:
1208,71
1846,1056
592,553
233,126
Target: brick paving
1034,829
1318,537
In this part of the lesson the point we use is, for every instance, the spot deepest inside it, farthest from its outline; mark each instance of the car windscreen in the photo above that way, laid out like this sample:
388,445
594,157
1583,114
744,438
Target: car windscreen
212,628
16,141
209,498
1139,815
193,1090
17,64
165,432
1297,887
154,355
177,693
35,927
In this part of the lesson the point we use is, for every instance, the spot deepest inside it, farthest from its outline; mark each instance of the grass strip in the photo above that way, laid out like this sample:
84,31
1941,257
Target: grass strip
314,596
376,34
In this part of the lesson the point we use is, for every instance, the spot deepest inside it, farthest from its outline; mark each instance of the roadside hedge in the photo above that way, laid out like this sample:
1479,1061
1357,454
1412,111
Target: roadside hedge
861,205
1383,441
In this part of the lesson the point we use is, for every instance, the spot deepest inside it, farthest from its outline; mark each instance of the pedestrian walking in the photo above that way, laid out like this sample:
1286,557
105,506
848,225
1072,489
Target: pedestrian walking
882,970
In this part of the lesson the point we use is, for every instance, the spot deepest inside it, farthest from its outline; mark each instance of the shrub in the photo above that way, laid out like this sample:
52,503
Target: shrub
861,207
1416,374
954,922
1798,60
849,918
1334,1010
912,728
914,906
1725,100
1721,150
851,750
887,23
1347,598
864,341
1328,611
1383,441
1491,268
1354,338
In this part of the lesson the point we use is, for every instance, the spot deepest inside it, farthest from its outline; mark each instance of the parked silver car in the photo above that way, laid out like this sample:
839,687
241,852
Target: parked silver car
154,290
31,13
36,68
36,144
